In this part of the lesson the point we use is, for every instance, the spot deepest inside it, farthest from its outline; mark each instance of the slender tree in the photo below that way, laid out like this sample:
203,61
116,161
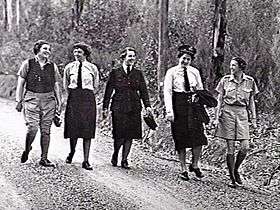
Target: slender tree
219,33
77,9
163,44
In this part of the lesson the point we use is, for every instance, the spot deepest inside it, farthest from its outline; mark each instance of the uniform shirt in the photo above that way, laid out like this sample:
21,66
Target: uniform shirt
235,93
174,81
23,71
125,68
90,76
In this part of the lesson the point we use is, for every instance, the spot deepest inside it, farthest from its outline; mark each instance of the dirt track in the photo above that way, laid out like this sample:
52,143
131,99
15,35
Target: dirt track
151,183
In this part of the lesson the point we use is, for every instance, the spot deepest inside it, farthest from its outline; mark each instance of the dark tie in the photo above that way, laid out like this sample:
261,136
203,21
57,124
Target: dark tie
127,70
79,80
187,83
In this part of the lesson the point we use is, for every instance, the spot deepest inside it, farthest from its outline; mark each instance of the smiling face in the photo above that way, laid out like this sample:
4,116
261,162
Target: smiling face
185,60
79,54
234,67
45,51
130,58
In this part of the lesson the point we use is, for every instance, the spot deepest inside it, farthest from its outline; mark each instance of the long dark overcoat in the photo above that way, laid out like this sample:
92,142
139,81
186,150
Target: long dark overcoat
126,92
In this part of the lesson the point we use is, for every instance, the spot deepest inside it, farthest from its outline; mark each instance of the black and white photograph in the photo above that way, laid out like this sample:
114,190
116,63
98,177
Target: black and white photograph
139,104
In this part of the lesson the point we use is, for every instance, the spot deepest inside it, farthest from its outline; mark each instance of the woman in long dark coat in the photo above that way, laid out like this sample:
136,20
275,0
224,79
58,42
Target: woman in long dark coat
129,87
80,81
180,84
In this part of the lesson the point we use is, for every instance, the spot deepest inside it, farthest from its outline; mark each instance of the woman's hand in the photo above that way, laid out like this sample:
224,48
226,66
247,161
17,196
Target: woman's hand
215,123
19,106
254,123
170,117
105,113
149,111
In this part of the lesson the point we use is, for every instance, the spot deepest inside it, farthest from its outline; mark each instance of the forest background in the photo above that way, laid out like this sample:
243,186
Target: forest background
109,26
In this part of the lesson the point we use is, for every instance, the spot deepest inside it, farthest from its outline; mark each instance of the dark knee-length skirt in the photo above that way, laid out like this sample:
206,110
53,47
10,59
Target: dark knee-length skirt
187,130
80,114
127,125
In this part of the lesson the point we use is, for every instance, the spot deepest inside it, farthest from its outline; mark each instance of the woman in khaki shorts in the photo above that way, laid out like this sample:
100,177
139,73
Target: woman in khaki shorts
235,101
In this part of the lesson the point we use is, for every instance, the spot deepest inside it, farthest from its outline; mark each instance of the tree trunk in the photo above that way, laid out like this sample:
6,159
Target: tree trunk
219,33
77,10
5,15
9,15
18,5
188,5
163,44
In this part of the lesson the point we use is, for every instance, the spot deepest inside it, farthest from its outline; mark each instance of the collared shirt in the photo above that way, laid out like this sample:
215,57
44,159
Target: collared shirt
237,93
125,67
24,68
174,81
90,75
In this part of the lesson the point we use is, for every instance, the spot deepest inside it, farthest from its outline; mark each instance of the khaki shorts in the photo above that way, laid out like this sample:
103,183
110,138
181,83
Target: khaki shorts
233,123
39,110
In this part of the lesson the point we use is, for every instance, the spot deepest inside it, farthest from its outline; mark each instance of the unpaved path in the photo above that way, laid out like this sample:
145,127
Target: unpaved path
151,183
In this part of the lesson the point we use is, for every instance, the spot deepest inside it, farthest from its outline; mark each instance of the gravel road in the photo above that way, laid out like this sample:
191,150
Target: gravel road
152,183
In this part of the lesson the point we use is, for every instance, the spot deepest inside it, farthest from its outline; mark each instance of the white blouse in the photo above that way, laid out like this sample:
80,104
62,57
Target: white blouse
174,81
90,75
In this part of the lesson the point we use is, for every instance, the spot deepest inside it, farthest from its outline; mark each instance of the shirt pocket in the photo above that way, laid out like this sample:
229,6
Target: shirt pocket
230,91
246,93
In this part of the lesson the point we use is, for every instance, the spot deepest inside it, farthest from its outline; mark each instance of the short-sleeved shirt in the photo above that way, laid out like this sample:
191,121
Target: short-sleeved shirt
174,81
90,75
237,93
23,71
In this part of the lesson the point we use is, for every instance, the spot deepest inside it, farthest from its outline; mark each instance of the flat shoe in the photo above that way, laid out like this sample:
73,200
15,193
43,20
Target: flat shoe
196,171
86,166
46,163
184,176
124,164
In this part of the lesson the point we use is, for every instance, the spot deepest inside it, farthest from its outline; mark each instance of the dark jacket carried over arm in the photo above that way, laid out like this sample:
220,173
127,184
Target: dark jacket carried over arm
128,90
207,99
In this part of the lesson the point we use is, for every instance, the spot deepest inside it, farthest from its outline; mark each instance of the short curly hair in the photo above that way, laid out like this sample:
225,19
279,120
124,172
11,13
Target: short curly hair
38,45
241,62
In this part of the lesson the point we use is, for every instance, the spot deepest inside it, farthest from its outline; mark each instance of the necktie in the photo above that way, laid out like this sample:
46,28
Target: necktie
79,79
187,83
127,70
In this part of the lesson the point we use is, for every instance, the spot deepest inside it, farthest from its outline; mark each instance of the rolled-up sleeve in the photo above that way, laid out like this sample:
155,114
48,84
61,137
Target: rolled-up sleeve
220,86
23,70
167,92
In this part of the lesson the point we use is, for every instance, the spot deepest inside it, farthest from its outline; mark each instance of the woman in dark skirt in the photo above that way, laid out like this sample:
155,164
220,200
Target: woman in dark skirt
80,81
180,83
127,87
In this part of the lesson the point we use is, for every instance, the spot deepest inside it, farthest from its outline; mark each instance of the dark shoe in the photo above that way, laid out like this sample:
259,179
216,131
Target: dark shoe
124,164
237,177
86,165
114,161
24,156
184,176
46,163
196,171
69,158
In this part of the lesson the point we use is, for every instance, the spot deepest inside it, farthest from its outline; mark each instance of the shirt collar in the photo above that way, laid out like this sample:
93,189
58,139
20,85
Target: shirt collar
125,67
37,60
232,78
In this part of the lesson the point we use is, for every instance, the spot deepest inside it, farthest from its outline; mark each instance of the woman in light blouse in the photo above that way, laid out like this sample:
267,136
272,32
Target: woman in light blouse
80,81
236,96
181,81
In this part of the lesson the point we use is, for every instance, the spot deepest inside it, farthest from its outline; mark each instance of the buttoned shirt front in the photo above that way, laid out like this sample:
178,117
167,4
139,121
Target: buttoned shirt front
237,93
174,81
125,67
24,68
90,76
